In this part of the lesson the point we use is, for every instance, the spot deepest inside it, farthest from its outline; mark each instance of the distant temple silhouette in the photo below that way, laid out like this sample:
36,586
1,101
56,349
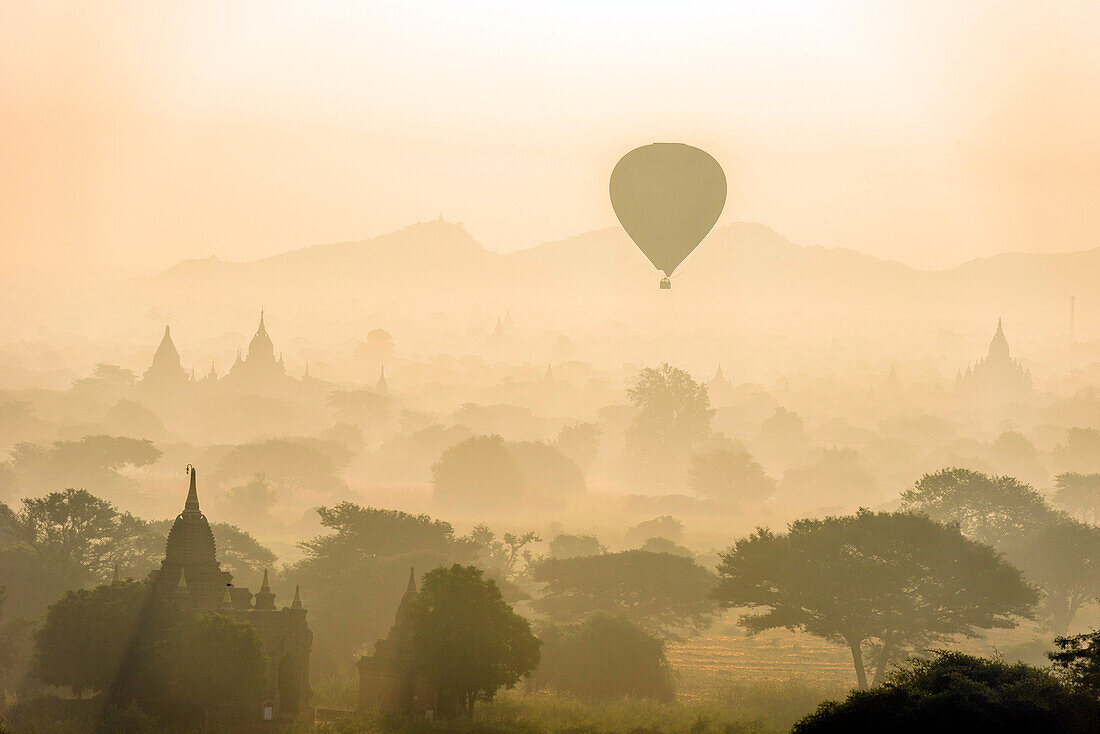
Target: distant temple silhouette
719,389
258,372
998,377
387,682
191,575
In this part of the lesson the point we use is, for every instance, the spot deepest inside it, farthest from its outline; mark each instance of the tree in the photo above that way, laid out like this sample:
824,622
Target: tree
729,475
210,660
479,471
87,635
93,462
665,526
663,594
573,546
1081,451
366,408
1079,495
358,570
964,693
580,442
66,540
1063,557
546,470
250,503
1078,660
290,464
466,639
602,658
673,419
503,556
898,581
990,509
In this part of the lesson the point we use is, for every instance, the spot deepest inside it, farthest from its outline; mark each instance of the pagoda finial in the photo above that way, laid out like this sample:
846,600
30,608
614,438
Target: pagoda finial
411,588
297,603
192,504
264,586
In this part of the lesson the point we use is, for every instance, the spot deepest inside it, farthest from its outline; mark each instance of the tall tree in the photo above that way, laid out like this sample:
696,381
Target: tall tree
673,419
896,580
664,594
466,639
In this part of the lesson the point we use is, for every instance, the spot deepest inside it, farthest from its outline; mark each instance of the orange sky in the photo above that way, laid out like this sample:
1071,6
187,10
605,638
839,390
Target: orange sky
141,133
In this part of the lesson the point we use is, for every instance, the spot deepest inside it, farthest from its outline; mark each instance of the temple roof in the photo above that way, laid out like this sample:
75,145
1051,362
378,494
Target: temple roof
191,541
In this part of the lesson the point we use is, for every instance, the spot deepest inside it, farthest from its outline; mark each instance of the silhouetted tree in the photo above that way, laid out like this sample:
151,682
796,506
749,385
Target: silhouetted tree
289,464
1080,452
896,579
957,692
1079,495
1078,660
509,556
478,472
604,657
210,660
573,546
87,634
729,475
93,462
580,442
466,639
663,594
1063,558
665,526
358,569
546,470
990,509
673,420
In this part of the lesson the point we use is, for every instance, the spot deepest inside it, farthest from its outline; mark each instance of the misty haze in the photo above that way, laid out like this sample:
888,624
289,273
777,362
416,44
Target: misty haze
588,367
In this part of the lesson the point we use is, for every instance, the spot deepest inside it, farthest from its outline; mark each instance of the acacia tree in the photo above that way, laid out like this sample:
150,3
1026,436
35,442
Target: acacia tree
466,639
673,420
898,581
664,594
990,509
479,471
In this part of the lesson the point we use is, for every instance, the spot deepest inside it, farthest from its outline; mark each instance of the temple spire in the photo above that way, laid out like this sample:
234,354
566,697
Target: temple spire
264,586
411,588
192,504
297,603
382,387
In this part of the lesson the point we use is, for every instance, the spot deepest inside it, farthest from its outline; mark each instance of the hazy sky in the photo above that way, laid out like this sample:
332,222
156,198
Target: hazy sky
932,132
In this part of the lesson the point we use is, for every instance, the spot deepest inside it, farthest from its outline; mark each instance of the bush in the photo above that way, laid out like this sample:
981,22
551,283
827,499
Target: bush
970,693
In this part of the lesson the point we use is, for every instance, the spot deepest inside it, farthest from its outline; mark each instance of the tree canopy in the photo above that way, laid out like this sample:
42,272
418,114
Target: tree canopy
729,475
466,639
664,594
478,472
897,580
991,509
604,657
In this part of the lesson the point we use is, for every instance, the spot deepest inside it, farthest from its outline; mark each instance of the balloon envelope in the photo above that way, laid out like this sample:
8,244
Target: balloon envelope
667,197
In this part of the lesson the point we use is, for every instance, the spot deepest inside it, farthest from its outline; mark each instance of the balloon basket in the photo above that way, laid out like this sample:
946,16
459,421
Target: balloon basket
666,284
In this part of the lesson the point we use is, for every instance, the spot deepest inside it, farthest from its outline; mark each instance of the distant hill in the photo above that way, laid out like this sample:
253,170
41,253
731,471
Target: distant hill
741,270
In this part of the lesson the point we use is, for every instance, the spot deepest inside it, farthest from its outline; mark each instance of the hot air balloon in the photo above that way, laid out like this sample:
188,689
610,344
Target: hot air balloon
667,196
